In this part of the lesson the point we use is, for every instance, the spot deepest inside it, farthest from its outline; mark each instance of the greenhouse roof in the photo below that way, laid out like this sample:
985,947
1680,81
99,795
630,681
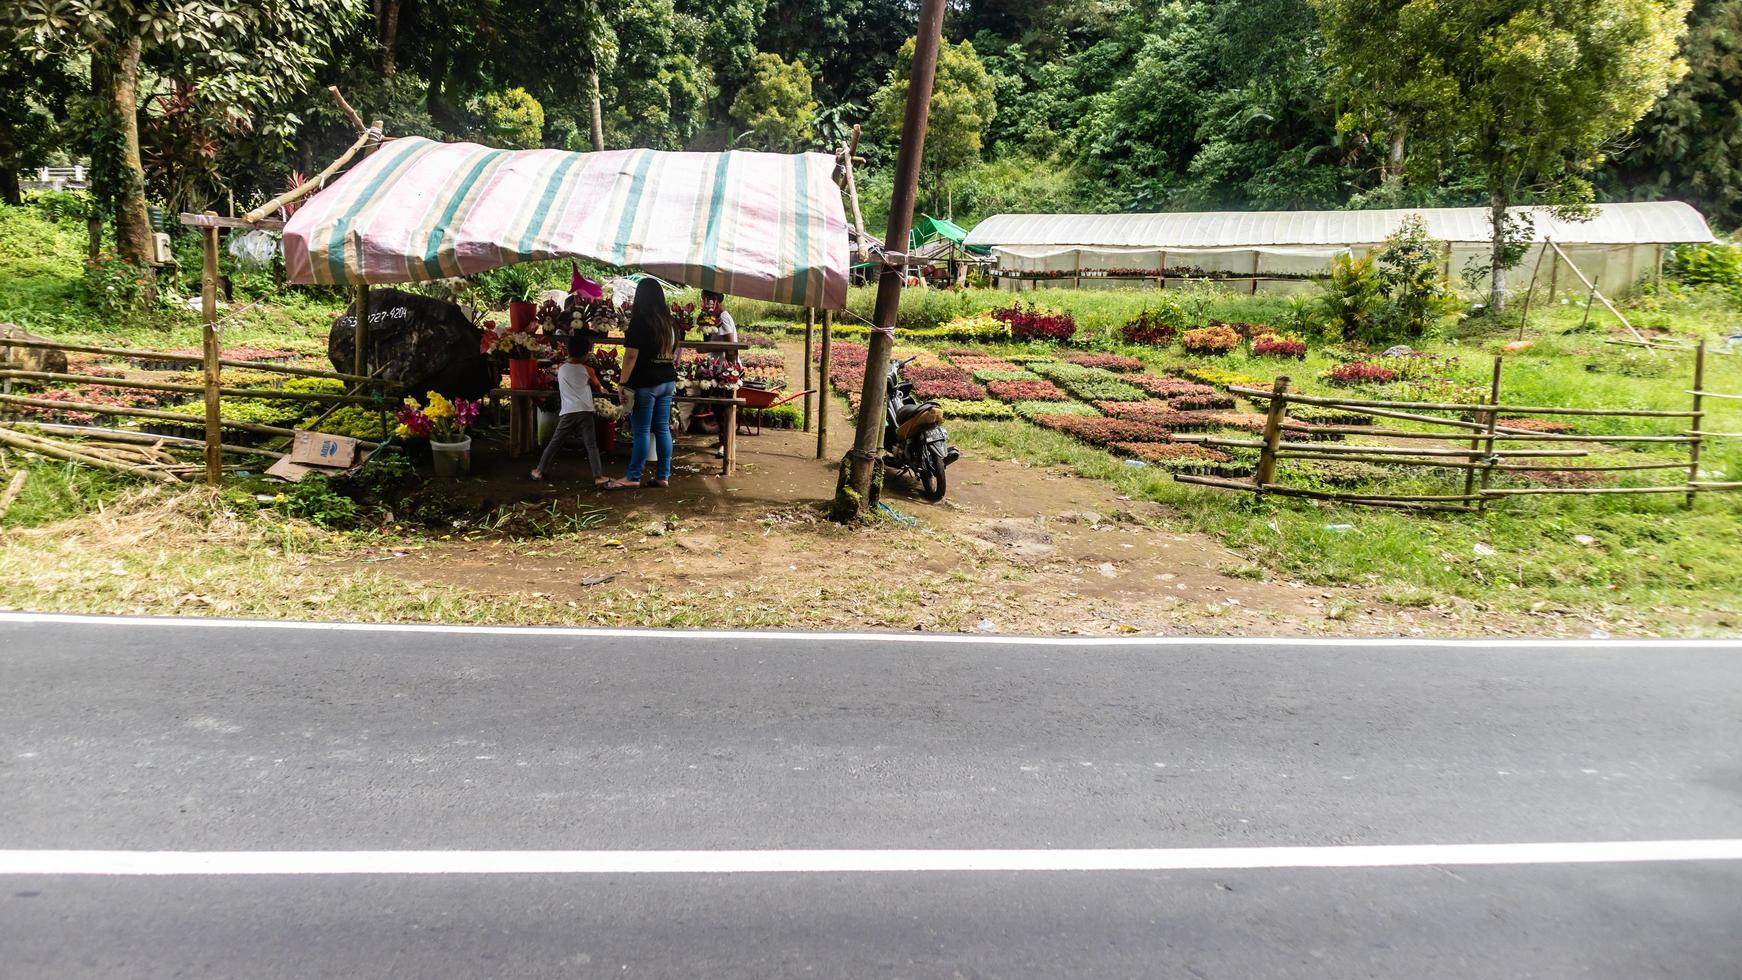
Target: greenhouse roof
1655,222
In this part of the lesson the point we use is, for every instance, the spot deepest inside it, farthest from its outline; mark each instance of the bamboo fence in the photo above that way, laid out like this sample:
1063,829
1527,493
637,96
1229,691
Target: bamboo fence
1483,446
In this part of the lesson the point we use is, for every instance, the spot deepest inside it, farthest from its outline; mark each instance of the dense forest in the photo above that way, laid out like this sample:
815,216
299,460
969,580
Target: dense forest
1041,105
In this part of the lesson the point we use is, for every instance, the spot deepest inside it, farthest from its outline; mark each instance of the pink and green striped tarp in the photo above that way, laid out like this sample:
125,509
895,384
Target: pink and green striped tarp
759,225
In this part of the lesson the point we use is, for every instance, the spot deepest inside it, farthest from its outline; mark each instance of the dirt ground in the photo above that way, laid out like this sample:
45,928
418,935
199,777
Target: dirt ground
1013,549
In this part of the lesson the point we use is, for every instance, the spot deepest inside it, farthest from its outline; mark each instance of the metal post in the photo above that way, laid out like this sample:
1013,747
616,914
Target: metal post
823,387
209,345
810,323
1266,471
1697,421
890,282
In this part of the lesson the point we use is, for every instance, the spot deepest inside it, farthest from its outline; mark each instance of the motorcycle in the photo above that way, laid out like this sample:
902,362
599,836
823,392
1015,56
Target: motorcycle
914,439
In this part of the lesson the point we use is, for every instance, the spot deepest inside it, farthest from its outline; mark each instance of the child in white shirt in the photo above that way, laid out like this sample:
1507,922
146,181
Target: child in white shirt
575,382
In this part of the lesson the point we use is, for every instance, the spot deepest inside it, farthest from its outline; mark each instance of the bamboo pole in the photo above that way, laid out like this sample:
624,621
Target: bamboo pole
273,394
1456,407
345,107
1593,288
1341,450
1266,471
1227,484
153,413
55,450
1451,464
1586,322
1539,491
1694,448
1491,417
209,340
1524,316
127,352
810,323
860,251
130,436
823,392
309,186
13,489
1478,435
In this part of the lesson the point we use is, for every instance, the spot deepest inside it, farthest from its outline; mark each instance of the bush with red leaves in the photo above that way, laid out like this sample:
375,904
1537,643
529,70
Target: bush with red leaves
1026,391
1279,345
1158,387
1103,431
1172,452
762,360
1032,322
1210,400
1110,362
1218,339
1159,413
1149,328
934,372
966,391
1359,372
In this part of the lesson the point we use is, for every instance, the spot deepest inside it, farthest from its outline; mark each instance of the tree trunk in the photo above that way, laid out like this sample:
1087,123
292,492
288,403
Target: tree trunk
1394,160
389,36
1497,256
597,120
10,191
132,223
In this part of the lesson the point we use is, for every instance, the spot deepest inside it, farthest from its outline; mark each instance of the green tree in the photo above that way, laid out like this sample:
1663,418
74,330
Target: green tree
1532,93
776,103
512,120
1690,145
236,56
30,116
963,104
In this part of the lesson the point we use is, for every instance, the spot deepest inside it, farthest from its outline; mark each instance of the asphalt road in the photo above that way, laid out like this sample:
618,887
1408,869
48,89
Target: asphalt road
130,737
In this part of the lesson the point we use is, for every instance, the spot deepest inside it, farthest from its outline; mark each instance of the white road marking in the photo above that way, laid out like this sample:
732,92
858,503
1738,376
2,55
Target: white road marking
227,863
585,632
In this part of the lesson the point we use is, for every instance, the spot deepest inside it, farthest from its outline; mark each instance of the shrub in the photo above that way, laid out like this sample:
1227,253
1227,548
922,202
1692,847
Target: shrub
1358,373
933,372
758,340
356,421
1210,340
956,409
1707,264
1032,409
1351,297
1279,345
1103,431
1417,295
1032,322
113,285
1024,391
1097,389
1109,362
1150,328
1211,398
1168,387
752,361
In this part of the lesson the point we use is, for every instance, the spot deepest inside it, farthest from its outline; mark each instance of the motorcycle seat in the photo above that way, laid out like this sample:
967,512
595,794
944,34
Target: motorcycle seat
905,412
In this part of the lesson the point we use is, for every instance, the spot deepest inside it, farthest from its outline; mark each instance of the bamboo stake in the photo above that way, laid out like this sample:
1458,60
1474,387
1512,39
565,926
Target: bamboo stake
1455,407
1694,449
823,392
13,489
209,338
46,447
1524,316
810,322
860,251
1341,450
345,107
300,372
1226,484
187,389
1266,471
1538,491
308,186
1478,435
140,438
1491,417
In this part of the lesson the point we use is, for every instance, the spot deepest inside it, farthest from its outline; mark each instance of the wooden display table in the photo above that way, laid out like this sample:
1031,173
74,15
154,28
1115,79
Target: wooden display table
523,421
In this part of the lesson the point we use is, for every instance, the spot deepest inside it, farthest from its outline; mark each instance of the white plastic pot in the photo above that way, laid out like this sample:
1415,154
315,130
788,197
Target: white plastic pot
451,458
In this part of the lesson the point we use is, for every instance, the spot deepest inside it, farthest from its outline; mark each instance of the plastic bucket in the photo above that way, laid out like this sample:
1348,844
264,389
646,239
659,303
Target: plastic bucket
546,426
451,458
522,372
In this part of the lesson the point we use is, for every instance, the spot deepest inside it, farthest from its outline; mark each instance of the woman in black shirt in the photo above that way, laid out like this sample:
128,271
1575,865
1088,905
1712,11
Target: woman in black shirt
650,370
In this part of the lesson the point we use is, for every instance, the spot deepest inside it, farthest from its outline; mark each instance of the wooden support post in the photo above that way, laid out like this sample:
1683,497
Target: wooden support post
1266,471
1586,322
729,421
810,324
209,343
360,329
823,398
1530,291
1490,419
1698,421
1554,269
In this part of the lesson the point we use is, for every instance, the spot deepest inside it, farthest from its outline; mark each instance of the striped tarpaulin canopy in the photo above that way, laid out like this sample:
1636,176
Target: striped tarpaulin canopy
766,226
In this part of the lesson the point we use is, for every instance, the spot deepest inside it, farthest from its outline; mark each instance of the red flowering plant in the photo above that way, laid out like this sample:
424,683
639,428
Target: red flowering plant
1216,339
1168,387
1033,322
685,316
1103,431
1159,413
440,420
1149,328
1110,362
934,372
1358,373
1279,345
957,388
762,360
1173,453
1026,391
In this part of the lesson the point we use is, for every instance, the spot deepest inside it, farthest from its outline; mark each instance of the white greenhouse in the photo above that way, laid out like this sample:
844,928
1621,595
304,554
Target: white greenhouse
1282,251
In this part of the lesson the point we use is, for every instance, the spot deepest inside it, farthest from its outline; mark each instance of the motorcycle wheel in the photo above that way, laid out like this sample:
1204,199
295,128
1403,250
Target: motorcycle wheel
932,484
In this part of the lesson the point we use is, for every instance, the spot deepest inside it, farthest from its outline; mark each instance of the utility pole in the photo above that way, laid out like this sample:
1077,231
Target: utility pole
868,441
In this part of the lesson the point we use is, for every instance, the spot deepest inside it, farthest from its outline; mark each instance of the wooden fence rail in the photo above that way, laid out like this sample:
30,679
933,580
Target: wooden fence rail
1484,450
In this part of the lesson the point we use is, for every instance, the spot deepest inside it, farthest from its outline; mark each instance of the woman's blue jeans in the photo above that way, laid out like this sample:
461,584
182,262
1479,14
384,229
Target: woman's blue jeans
651,419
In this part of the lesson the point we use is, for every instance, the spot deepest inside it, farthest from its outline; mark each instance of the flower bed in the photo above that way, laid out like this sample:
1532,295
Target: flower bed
969,359
1161,414
1244,421
1212,399
1033,409
1025,391
1088,383
1359,373
753,361
1158,387
985,376
1179,457
94,395
934,372
1537,425
1032,322
1103,431
1219,378
986,409
1279,345
947,388
1109,362
1148,328
758,340
1219,339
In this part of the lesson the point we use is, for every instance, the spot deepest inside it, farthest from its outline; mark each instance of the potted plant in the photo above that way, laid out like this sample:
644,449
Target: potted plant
523,348
444,424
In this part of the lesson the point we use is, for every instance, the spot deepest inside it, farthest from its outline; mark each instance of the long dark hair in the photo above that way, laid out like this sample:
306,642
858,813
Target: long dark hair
651,317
